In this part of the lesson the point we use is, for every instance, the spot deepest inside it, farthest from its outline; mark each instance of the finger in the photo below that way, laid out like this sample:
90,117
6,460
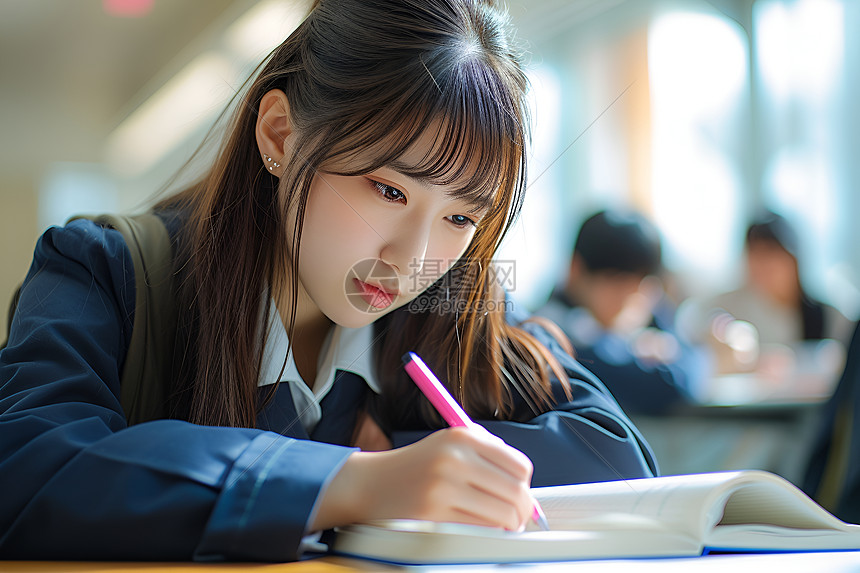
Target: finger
479,506
487,477
493,479
501,485
509,459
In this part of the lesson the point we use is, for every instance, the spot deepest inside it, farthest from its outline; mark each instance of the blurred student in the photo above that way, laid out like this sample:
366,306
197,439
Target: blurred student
613,308
771,315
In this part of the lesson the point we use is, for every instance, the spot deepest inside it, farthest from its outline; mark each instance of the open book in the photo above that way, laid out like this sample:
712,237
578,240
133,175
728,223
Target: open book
688,515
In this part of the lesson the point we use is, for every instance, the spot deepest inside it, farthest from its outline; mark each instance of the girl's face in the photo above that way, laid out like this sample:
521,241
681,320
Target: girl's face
374,242
773,271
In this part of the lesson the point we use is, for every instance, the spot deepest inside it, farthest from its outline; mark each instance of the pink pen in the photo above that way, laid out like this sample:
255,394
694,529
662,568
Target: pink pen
449,409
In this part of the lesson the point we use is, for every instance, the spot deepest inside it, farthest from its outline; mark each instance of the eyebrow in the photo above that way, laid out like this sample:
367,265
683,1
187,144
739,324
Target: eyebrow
402,169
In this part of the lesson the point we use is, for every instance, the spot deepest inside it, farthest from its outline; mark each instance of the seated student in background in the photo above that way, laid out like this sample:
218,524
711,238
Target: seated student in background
759,325
613,308
345,188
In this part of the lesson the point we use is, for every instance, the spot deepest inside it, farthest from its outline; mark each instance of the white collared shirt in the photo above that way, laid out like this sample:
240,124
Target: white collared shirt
349,349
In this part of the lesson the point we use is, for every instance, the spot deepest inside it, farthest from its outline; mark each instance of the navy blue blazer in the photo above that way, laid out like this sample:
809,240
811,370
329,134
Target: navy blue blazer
78,483
641,387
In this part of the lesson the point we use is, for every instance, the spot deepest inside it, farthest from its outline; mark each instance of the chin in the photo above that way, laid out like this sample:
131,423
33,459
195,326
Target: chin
351,317
354,318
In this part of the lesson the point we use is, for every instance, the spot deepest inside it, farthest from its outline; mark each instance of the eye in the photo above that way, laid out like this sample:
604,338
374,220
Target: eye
462,221
388,193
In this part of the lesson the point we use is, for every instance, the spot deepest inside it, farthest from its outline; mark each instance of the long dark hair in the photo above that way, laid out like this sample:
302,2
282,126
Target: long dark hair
772,228
364,80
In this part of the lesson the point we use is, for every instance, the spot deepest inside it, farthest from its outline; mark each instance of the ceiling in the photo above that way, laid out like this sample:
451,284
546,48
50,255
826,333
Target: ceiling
70,72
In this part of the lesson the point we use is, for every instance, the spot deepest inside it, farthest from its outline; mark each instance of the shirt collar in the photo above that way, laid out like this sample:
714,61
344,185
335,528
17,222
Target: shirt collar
348,349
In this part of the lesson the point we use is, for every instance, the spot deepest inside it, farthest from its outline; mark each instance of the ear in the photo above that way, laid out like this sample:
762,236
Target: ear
273,131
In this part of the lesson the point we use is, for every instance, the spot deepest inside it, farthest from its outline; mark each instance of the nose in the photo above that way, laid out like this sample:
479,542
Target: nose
406,249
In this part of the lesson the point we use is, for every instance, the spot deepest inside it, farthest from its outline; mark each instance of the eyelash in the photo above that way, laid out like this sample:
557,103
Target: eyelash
385,191
465,223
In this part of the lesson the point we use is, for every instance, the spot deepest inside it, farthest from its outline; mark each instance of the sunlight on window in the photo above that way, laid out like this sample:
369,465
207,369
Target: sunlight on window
699,61
800,59
799,46
698,72
801,180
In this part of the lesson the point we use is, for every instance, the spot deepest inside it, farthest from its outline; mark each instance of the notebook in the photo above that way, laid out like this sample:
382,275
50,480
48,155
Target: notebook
688,515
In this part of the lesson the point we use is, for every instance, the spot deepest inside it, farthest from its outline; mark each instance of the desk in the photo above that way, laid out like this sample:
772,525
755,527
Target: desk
837,562
743,421
321,565
774,437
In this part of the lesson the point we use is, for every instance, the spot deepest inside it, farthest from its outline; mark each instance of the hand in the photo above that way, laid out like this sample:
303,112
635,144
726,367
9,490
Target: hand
457,475
656,346
369,436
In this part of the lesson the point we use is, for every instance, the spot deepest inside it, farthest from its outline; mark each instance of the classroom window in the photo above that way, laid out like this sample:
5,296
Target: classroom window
802,64
698,73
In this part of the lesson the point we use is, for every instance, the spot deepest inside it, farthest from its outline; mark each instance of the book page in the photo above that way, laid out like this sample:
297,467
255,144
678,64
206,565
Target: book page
679,503
774,538
764,511
764,498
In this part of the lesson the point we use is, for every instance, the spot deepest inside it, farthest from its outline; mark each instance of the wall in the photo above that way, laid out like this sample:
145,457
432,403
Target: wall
18,234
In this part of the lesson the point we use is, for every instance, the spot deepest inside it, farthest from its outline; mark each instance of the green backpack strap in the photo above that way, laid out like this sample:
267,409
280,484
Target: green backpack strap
148,368
13,306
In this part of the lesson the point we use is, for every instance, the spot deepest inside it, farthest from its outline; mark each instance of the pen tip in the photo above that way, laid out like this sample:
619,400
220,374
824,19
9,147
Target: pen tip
406,357
539,516
543,523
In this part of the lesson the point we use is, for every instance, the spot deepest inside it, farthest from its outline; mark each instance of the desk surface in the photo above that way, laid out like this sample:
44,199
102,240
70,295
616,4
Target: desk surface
322,565
836,562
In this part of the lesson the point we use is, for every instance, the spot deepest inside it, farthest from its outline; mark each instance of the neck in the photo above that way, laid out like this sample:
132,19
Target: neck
582,297
308,335
787,297
788,301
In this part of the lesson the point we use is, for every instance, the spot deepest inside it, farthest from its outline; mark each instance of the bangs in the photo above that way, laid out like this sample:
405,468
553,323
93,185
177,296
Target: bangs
470,130
460,160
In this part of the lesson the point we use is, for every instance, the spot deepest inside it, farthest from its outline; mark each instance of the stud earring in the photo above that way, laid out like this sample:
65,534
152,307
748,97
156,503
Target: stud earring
274,164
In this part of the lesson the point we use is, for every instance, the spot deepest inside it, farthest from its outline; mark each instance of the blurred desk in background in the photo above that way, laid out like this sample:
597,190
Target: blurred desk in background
742,422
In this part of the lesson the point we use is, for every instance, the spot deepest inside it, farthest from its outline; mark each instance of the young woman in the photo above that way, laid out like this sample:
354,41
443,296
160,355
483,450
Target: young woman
378,155
773,299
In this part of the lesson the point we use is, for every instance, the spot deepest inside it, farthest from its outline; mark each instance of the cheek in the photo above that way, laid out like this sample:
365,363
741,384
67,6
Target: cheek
611,296
757,268
333,225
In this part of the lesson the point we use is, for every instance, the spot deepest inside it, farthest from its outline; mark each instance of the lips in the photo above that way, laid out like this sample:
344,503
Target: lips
375,296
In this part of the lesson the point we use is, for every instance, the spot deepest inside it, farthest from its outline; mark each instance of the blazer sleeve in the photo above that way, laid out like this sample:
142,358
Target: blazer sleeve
645,387
641,386
77,483
585,437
